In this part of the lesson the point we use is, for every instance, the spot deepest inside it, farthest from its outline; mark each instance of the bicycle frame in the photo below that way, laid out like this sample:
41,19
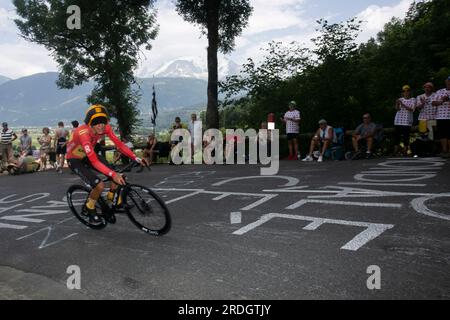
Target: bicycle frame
121,188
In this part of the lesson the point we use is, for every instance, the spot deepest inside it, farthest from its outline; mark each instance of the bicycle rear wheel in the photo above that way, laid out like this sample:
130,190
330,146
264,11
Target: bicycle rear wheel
76,199
147,210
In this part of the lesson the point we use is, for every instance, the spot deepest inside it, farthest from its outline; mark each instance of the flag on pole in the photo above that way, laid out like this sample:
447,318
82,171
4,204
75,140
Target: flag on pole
154,107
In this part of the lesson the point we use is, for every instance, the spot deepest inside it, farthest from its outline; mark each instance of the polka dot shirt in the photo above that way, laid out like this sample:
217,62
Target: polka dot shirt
292,126
404,117
443,111
428,112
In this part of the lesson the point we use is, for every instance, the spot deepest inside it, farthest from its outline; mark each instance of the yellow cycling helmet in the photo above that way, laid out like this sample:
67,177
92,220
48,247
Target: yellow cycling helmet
96,114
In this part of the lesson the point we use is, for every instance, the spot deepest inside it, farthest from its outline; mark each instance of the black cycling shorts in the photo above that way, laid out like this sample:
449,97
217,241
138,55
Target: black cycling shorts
61,148
84,169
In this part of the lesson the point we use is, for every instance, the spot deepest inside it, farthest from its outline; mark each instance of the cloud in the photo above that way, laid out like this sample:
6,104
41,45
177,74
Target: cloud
18,57
176,38
271,15
375,17
280,20
23,59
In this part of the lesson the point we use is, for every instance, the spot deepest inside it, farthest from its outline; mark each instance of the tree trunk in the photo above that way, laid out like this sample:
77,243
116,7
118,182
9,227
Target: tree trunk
212,112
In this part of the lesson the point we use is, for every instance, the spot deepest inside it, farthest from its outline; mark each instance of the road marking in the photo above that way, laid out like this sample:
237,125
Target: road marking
291,181
221,195
45,244
10,208
401,171
373,230
185,179
383,184
413,177
39,197
184,197
345,203
25,217
236,217
419,205
11,226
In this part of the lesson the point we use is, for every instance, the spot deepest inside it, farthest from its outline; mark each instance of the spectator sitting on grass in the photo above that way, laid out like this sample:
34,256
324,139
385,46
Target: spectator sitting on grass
23,164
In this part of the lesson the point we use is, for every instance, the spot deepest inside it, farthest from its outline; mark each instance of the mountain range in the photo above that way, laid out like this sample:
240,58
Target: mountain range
37,101
191,67
180,89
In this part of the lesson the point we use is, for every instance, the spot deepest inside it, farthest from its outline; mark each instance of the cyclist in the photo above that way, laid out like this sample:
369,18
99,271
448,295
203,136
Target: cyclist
83,160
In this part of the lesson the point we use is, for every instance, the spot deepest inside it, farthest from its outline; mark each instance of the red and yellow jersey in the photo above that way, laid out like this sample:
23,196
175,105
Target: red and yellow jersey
83,141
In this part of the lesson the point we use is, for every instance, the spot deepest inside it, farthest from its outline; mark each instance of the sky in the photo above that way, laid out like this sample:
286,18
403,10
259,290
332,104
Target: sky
278,20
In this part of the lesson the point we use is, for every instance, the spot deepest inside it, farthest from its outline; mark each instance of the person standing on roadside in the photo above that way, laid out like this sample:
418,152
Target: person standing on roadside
60,145
442,102
292,121
25,144
403,122
427,115
6,150
46,142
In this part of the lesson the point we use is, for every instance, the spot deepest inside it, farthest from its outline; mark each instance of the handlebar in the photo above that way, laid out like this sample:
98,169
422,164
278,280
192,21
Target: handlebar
134,164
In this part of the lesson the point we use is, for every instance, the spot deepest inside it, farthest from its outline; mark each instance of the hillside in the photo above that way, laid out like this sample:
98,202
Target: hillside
36,101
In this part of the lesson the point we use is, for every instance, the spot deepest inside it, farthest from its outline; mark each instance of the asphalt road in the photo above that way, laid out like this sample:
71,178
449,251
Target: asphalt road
312,232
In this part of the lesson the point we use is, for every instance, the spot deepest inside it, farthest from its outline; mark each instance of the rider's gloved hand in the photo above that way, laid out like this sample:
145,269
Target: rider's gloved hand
142,162
118,179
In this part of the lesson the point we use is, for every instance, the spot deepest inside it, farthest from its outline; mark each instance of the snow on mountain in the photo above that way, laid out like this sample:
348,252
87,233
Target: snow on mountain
194,67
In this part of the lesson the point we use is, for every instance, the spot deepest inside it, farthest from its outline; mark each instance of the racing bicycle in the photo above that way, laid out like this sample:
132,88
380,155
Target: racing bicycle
144,207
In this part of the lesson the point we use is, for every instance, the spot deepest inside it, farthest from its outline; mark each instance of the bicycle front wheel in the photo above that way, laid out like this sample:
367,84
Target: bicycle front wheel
147,210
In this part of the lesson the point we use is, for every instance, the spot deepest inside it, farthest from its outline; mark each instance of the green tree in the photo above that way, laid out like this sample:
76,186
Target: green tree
221,21
105,49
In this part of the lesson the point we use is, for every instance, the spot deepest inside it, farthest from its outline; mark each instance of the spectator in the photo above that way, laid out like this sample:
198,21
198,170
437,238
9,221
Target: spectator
364,136
194,128
427,115
60,145
177,125
323,139
75,124
191,126
149,150
23,164
405,107
46,142
292,121
442,102
25,144
6,149
232,143
119,156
